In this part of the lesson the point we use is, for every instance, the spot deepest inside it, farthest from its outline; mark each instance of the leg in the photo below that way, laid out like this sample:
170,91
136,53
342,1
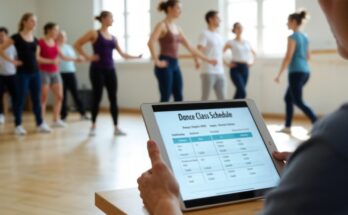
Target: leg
289,108
12,89
23,81
245,76
164,77
74,93
44,95
35,90
207,84
111,87
97,81
298,80
177,84
238,82
64,110
220,87
2,92
57,90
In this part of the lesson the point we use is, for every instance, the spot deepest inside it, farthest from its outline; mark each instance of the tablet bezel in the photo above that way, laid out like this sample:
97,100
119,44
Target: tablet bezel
154,134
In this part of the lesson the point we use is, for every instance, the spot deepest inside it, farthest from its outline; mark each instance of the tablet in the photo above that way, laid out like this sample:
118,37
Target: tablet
219,152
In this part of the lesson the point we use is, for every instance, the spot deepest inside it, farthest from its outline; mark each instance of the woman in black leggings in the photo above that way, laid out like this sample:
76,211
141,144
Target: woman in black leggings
102,70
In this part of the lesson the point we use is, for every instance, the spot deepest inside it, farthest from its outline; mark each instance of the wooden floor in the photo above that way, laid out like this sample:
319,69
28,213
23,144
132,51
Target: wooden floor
58,173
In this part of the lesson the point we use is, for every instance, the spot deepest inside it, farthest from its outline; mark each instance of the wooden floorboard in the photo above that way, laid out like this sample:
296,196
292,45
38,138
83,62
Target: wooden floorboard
59,173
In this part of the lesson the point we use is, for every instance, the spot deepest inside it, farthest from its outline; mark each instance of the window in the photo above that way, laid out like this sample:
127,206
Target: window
131,24
264,23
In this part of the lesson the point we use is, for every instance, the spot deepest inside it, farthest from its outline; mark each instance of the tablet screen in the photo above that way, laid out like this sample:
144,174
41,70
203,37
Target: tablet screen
215,152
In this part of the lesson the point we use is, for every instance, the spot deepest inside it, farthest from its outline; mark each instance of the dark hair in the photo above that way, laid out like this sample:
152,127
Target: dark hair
103,15
235,26
4,29
24,18
299,17
49,26
164,5
210,14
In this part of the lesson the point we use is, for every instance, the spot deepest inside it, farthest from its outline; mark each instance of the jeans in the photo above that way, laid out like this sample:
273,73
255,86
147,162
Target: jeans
239,75
293,96
170,80
28,82
8,83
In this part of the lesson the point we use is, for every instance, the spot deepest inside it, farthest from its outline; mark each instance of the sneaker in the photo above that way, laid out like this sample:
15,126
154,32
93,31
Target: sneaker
2,119
92,132
19,130
286,130
44,128
119,132
59,124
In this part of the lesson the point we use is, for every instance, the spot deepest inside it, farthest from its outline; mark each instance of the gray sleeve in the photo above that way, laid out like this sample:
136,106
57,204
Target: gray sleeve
315,181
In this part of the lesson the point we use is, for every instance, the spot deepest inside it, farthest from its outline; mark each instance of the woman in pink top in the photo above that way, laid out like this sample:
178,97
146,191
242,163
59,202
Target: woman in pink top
50,76
169,35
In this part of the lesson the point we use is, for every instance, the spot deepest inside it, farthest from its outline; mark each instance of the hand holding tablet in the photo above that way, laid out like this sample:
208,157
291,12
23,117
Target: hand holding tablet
219,152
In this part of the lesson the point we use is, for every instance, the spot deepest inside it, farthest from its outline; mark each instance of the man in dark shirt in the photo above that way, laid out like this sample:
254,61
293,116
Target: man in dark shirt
315,180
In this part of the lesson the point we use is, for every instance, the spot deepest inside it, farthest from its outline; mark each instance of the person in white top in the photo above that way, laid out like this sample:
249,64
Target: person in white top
242,56
211,44
7,74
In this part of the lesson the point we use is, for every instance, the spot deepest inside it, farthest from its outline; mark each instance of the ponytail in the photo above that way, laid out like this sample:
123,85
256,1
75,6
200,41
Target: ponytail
164,5
102,15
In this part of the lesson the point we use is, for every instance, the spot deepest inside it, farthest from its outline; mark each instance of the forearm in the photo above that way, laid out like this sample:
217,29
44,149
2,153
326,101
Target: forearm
5,56
129,57
153,52
283,67
42,60
81,52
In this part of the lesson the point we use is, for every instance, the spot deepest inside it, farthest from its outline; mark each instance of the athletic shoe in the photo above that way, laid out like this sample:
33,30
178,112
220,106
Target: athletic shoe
2,119
59,124
19,130
92,132
286,130
44,128
118,132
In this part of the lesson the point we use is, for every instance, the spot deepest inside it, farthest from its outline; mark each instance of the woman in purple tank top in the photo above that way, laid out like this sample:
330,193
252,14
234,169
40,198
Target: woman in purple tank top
169,35
102,69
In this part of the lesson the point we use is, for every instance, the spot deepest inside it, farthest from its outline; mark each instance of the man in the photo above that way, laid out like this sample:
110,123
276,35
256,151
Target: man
316,175
7,74
211,44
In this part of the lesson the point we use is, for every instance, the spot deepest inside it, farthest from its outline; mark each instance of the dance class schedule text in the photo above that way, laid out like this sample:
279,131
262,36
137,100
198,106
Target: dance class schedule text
216,151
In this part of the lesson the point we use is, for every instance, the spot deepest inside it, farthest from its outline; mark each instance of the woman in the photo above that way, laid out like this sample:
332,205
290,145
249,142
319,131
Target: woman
296,60
7,74
102,69
242,56
50,77
67,71
28,76
170,35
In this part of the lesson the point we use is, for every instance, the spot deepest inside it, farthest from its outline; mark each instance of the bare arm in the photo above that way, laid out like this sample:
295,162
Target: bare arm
287,59
155,36
226,48
194,51
90,36
125,55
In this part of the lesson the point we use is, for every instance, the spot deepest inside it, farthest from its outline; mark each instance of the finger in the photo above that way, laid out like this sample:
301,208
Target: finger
154,152
281,155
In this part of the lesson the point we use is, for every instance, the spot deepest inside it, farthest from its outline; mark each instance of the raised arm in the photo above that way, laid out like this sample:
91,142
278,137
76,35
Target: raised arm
287,59
90,36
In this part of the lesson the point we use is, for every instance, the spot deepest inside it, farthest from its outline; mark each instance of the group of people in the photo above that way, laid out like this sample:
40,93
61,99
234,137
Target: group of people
48,64
315,177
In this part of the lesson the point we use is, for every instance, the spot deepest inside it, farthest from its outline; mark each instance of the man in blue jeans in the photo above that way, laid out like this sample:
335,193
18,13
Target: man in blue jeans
315,180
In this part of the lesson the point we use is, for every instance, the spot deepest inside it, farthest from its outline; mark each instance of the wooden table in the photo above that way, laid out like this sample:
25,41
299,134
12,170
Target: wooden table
121,202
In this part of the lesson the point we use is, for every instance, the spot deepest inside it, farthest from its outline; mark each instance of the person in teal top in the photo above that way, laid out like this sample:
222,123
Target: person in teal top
299,61
67,71
296,60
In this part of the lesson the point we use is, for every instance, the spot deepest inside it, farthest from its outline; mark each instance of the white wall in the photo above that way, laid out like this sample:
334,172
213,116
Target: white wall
137,84
12,10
